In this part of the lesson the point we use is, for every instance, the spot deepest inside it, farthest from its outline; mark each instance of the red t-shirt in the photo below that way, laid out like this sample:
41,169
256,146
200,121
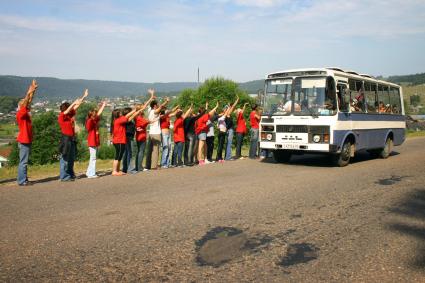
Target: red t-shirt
92,126
178,130
254,121
165,121
201,124
66,123
119,136
23,118
141,125
240,124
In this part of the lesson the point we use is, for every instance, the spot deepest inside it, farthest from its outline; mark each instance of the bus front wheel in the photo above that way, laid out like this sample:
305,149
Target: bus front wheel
342,159
281,156
386,151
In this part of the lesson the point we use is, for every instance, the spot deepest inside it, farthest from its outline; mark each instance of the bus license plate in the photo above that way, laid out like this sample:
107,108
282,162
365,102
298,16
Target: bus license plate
290,146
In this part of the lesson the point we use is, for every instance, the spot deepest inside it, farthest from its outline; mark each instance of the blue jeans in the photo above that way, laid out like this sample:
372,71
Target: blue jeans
177,153
67,164
91,169
189,146
128,154
166,148
24,154
254,142
229,144
138,165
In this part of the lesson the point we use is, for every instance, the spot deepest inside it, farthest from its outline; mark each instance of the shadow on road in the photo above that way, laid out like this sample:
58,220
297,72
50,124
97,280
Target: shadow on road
324,160
53,178
413,210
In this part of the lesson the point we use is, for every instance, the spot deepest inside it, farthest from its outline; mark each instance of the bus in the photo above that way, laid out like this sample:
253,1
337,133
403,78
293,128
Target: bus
332,111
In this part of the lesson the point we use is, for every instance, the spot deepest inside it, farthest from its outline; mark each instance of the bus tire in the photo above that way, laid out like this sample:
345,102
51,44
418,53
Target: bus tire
388,148
343,159
281,156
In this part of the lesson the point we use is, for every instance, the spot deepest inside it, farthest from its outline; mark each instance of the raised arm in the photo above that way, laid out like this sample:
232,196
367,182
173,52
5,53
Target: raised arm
162,105
30,93
133,113
188,112
244,107
102,107
211,113
152,97
232,108
173,111
79,101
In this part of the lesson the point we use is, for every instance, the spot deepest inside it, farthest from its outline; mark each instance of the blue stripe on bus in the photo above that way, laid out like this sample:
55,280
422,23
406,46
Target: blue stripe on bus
370,138
369,117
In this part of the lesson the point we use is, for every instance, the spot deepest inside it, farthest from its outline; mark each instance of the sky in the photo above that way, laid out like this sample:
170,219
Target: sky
242,40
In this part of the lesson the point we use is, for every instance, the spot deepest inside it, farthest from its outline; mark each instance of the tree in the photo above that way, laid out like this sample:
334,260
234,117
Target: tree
82,112
8,104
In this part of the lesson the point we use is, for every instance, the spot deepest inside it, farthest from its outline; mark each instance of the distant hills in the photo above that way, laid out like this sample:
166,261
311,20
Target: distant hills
53,88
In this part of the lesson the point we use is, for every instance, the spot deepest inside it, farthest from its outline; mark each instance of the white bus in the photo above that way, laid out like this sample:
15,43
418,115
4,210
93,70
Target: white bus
329,110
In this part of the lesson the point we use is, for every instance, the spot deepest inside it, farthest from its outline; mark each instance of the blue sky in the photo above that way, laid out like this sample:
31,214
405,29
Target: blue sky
163,41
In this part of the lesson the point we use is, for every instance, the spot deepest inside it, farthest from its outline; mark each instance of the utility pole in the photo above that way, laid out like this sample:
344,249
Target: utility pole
198,76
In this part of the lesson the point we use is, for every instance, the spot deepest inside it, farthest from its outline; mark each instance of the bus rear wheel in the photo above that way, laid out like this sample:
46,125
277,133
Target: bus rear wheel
281,156
388,148
343,159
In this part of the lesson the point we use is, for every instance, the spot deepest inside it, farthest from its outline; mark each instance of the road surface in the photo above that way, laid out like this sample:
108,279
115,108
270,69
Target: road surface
234,222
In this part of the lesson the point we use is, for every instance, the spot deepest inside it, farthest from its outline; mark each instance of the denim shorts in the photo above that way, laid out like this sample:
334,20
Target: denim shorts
202,136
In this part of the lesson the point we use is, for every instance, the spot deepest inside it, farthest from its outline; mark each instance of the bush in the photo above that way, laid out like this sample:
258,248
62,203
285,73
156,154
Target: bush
106,152
14,155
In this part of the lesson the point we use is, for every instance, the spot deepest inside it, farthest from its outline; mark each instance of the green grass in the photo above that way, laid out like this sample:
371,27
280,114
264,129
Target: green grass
411,134
8,130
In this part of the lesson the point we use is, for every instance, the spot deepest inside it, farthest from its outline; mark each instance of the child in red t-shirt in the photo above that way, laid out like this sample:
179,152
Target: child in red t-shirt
179,136
240,130
201,131
93,139
141,124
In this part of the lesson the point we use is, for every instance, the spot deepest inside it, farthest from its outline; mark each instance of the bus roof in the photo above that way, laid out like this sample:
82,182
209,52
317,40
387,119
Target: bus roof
328,71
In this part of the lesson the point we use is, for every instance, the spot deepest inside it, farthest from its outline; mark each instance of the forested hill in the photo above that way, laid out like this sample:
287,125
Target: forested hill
63,89
416,79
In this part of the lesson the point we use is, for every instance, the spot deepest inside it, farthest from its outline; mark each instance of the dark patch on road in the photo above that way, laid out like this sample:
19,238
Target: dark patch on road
113,212
296,215
390,181
299,253
223,244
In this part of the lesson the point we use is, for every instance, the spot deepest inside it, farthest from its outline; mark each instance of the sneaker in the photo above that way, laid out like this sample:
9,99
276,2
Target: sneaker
208,162
26,183
93,177
68,180
221,161
145,169
242,158
201,162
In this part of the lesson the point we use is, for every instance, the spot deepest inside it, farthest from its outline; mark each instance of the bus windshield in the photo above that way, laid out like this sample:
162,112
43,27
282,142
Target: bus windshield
307,96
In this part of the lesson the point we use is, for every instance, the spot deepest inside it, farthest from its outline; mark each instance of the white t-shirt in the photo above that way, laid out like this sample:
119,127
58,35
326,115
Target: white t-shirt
154,128
222,124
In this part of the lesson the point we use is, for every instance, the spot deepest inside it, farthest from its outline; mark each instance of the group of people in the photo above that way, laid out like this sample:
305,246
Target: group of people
189,140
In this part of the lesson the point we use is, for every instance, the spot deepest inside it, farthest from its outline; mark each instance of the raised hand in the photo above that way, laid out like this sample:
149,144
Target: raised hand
151,91
33,86
86,93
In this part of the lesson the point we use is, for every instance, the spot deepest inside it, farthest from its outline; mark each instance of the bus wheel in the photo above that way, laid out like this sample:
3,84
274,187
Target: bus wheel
342,159
388,148
281,156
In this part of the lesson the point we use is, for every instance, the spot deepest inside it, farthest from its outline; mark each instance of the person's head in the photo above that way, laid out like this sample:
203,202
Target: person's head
126,110
116,113
21,102
162,112
201,110
254,107
92,113
179,113
154,104
64,106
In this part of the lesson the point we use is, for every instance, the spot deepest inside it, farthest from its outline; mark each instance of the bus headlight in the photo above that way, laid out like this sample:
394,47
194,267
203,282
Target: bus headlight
269,137
316,138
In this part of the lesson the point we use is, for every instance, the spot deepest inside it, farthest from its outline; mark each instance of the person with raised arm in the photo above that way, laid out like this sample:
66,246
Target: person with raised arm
93,138
67,147
222,132
229,126
254,118
24,138
154,138
179,136
240,130
201,132
164,121
119,137
141,135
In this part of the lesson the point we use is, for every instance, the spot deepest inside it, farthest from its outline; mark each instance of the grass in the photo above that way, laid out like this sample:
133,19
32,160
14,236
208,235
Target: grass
411,134
52,170
8,130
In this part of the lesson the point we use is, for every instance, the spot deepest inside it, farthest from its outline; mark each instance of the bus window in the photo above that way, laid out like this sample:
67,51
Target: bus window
357,101
330,95
343,97
370,93
395,100
384,99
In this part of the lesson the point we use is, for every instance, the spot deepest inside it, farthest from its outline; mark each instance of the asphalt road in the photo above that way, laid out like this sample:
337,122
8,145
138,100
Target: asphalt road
239,221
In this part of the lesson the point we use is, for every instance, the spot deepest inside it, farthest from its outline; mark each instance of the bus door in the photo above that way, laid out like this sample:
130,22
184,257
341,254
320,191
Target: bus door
344,122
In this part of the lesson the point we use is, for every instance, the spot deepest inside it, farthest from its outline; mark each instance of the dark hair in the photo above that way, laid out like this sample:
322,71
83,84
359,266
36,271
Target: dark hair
202,110
126,110
162,112
116,113
64,106
179,114
91,113
254,106
153,103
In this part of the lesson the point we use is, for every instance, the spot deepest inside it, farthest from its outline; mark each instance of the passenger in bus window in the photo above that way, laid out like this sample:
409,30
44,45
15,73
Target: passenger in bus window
382,108
395,109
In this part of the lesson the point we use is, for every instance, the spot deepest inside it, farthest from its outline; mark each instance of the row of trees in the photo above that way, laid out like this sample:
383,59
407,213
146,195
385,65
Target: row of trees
47,132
